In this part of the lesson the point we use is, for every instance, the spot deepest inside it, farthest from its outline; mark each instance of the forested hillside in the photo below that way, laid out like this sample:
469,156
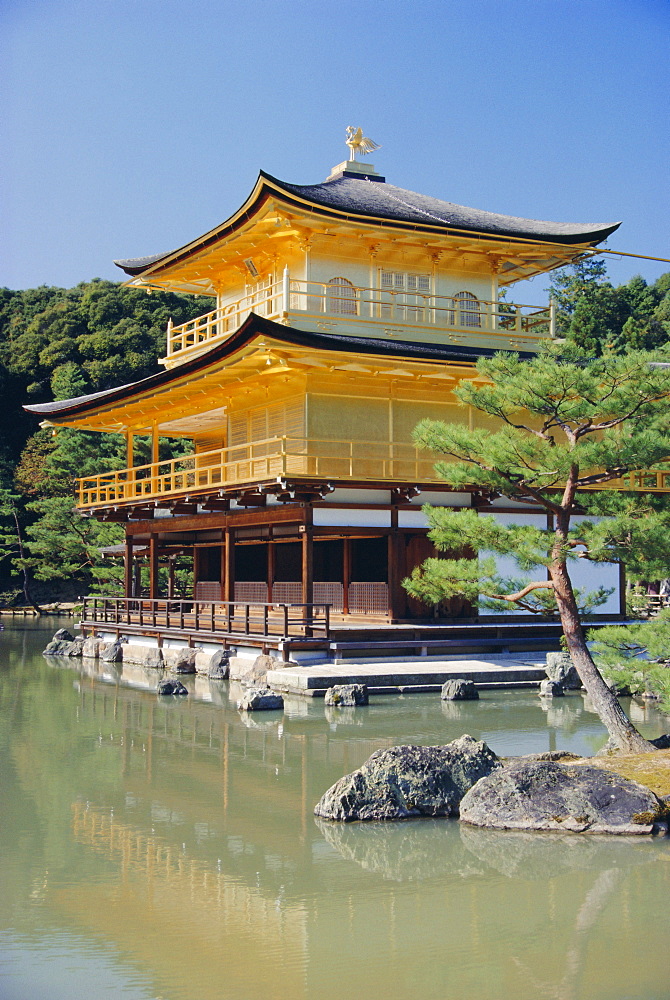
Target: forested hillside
57,343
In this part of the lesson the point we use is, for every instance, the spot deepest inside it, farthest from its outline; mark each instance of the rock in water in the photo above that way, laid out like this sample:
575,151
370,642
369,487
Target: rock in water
550,689
347,695
112,652
260,700
459,690
172,687
62,635
64,647
406,781
560,668
544,795
219,665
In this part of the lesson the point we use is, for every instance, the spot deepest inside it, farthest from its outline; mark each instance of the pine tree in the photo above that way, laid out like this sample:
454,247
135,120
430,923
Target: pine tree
568,424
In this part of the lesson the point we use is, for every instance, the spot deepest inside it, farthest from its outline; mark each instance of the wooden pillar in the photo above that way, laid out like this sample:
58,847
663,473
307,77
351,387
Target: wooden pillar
346,574
153,567
171,566
394,569
154,459
137,579
308,557
229,567
128,567
271,569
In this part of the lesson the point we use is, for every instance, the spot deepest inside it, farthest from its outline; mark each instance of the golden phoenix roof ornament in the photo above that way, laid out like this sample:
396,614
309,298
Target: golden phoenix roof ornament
358,143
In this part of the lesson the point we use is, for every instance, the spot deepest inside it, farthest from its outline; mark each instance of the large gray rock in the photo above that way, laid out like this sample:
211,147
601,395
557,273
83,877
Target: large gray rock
65,647
172,687
551,689
92,647
251,673
112,652
62,635
347,695
560,668
258,699
544,795
406,781
459,690
218,667
145,656
180,660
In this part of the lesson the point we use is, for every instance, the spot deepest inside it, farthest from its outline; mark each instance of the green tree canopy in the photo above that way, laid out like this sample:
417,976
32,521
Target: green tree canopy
568,424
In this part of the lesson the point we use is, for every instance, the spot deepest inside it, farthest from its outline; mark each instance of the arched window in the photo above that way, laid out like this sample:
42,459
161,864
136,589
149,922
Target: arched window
341,297
468,306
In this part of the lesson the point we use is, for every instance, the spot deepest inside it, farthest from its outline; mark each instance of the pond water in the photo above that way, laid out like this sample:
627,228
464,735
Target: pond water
166,848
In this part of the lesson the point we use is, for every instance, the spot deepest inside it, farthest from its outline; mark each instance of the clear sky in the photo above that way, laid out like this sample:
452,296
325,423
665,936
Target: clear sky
133,126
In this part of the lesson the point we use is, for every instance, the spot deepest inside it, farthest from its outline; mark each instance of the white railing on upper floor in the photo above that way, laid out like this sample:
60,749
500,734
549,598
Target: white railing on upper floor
389,311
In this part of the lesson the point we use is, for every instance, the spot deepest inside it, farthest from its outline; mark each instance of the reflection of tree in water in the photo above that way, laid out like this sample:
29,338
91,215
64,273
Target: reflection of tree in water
587,917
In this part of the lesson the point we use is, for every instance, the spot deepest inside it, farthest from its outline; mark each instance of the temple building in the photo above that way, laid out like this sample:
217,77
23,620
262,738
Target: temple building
343,312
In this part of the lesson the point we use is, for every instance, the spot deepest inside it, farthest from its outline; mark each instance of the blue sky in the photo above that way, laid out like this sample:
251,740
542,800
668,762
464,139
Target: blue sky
132,127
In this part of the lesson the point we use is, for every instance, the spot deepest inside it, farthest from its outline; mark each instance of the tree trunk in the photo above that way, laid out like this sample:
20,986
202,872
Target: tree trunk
24,569
605,702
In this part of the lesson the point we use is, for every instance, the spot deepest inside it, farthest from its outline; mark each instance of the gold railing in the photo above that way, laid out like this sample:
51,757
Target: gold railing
280,457
394,311
259,461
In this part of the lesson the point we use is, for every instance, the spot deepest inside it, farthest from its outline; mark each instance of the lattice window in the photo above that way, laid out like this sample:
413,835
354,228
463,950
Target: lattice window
368,598
398,281
287,592
329,593
341,297
250,591
208,590
469,309
409,297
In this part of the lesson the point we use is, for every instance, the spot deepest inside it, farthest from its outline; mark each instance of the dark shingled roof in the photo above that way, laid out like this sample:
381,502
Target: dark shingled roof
362,198
258,325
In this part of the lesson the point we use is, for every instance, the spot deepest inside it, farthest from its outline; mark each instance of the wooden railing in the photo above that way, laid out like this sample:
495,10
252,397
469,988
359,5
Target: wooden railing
214,618
382,309
259,461
279,457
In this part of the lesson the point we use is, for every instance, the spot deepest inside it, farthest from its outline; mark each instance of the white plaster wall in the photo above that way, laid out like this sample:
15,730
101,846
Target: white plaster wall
441,499
593,575
351,517
359,496
506,565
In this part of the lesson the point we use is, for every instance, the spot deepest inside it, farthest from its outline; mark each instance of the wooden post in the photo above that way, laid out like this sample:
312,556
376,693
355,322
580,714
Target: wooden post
271,569
229,570
346,574
153,567
154,459
171,567
128,567
308,557
394,568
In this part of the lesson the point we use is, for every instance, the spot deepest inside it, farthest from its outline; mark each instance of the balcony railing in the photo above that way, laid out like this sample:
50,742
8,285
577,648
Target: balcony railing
259,461
386,311
290,457
214,618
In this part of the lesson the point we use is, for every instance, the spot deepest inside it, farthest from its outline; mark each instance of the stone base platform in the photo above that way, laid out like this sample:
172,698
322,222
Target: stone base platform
416,676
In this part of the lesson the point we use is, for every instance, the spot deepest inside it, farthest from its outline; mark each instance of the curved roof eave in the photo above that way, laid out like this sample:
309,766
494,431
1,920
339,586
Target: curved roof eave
258,326
383,203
